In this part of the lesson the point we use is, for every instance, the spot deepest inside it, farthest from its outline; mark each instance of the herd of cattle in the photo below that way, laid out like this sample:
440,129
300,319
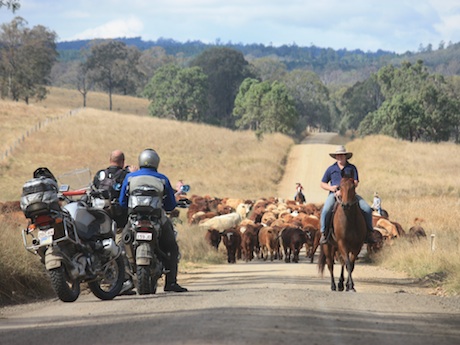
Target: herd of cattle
267,228
270,228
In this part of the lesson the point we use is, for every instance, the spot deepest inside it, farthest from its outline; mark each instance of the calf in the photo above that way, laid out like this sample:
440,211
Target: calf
250,240
293,239
232,240
269,242
213,238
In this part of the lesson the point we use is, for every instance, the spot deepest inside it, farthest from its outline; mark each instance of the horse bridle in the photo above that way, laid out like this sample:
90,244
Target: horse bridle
346,205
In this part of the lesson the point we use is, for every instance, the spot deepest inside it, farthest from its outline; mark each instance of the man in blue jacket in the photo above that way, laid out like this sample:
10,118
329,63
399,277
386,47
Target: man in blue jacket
148,174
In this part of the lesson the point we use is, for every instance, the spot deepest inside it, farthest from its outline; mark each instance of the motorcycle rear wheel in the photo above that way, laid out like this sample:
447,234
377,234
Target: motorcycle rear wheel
109,286
66,289
145,284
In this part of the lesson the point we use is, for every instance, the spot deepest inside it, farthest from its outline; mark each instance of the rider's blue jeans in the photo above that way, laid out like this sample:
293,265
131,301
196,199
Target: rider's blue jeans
326,212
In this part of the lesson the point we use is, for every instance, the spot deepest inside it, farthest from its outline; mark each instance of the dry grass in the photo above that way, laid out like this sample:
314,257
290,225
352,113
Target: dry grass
413,179
416,180
214,161
97,100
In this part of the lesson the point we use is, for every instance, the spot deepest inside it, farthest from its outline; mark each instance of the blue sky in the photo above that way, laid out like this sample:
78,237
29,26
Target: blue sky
369,25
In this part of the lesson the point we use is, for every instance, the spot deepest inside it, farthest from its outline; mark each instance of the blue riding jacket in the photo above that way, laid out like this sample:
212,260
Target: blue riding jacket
169,201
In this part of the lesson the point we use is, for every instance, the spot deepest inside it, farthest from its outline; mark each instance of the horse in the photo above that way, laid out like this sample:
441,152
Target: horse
349,233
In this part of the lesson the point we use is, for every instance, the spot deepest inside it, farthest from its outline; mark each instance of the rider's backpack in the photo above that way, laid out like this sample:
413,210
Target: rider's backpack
111,181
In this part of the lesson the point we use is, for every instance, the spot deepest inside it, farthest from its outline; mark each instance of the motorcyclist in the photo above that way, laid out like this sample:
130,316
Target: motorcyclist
148,164
110,179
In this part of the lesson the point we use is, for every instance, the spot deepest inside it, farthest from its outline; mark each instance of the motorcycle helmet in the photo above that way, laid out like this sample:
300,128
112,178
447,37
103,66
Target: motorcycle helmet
149,159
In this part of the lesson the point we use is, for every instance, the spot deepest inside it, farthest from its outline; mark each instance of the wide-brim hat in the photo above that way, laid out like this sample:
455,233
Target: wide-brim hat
341,150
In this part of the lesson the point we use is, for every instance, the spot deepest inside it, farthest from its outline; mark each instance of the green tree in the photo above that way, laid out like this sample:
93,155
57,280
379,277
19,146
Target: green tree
248,104
104,64
265,107
311,98
177,92
26,58
152,59
130,79
226,69
418,105
269,68
359,100
280,114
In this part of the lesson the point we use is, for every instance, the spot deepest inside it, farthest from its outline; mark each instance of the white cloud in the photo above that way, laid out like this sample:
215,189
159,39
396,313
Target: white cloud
129,27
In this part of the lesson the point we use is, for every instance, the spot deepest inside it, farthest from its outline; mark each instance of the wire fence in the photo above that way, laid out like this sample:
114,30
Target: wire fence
38,126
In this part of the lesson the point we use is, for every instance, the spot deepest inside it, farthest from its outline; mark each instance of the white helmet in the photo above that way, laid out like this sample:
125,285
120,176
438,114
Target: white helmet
149,159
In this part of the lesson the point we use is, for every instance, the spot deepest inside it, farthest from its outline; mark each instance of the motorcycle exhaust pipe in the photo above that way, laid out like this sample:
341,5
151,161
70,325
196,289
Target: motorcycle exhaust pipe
36,242
127,237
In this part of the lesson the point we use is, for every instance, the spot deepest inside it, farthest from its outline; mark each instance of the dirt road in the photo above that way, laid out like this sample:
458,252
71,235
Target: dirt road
251,303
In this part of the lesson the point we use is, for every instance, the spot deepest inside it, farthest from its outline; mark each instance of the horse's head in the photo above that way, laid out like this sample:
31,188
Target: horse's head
348,192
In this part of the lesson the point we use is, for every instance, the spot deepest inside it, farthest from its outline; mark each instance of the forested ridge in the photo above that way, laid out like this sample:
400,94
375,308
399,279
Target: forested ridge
288,89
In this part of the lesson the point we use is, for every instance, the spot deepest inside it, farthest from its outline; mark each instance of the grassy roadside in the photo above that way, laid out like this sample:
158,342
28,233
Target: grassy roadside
414,180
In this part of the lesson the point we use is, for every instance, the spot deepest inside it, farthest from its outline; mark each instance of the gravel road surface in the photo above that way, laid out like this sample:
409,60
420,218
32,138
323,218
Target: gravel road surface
259,302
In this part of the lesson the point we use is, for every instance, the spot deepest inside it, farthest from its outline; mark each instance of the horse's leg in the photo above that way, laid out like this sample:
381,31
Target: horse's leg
342,278
330,265
350,267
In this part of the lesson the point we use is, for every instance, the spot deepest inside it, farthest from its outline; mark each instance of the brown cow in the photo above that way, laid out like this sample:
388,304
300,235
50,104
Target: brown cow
232,241
311,224
213,238
269,242
293,239
417,232
312,244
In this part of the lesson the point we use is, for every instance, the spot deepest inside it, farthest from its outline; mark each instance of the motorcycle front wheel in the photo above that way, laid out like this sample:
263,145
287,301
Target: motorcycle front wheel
66,289
110,284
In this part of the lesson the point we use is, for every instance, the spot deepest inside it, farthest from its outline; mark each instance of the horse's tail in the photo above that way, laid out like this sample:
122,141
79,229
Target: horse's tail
321,261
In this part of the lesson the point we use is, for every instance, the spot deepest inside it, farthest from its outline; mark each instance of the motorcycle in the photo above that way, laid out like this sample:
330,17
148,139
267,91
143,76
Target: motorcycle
141,238
75,241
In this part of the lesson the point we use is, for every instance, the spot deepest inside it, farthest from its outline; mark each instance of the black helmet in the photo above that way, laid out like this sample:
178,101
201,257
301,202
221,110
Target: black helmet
149,159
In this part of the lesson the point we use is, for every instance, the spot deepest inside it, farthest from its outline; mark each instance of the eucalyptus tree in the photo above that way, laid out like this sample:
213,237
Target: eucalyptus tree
226,69
269,68
12,5
105,64
179,93
26,59
311,99
265,107
418,105
362,98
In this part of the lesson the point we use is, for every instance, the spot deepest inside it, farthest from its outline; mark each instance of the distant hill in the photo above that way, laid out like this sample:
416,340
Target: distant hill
335,67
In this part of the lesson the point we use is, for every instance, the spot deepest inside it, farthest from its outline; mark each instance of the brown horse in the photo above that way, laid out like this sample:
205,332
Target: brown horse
347,238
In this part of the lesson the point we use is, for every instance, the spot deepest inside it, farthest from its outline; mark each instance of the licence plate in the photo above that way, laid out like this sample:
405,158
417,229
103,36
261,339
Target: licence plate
144,236
46,236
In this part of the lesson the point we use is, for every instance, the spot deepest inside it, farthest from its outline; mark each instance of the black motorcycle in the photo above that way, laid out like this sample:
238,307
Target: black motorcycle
75,242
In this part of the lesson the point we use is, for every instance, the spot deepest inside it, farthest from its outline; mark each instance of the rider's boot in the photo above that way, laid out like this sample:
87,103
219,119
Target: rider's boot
323,239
